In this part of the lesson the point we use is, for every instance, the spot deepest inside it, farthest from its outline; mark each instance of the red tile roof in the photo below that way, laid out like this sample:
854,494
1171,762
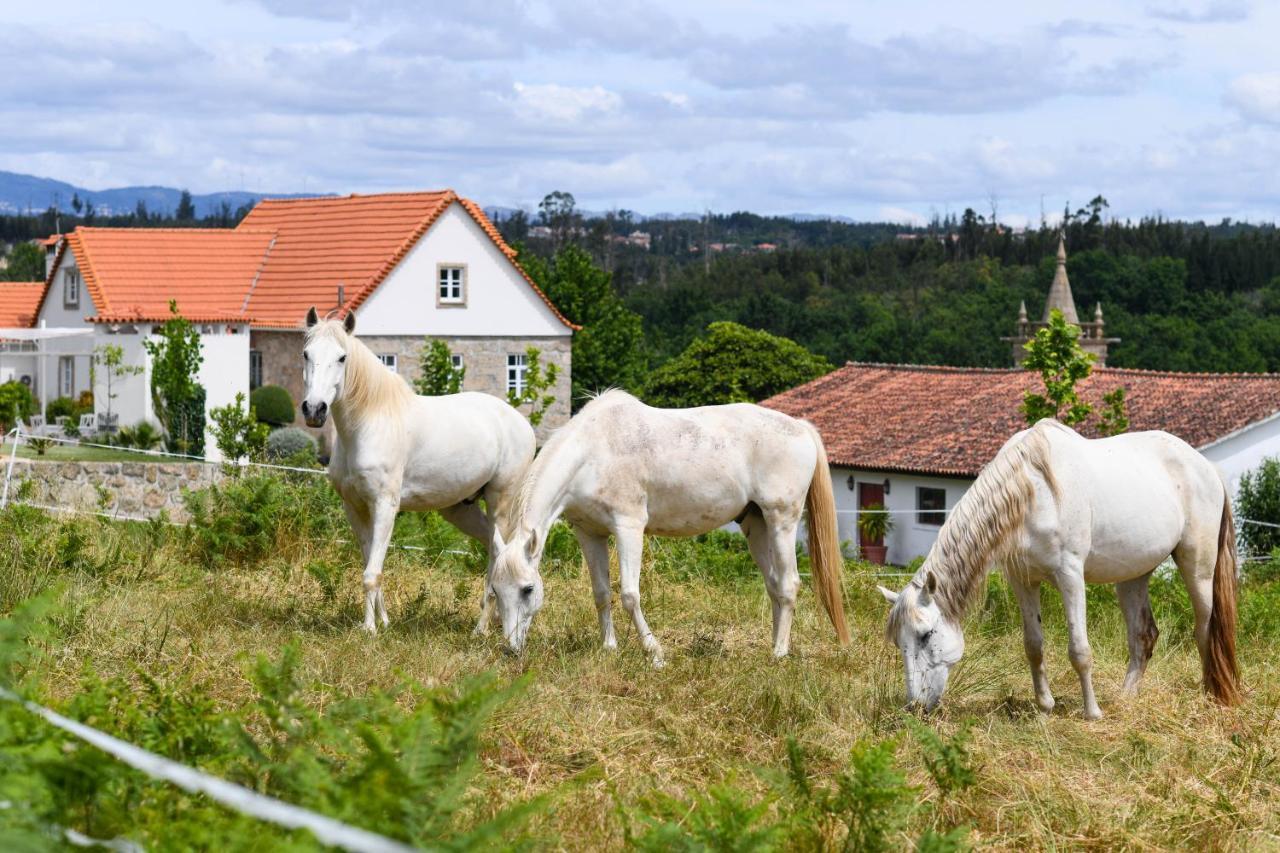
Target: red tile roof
952,421
355,241
132,273
19,302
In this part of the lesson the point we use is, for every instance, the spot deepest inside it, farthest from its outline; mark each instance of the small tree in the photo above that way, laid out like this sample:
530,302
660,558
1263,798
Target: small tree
15,402
436,374
1259,500
538,382
237,432
1056,353
175,364
26,263
110,357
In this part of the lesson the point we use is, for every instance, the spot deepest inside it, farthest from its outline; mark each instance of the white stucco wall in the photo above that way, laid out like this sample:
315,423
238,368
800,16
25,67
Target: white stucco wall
54,314
1244,450
132,401
909,538
499,302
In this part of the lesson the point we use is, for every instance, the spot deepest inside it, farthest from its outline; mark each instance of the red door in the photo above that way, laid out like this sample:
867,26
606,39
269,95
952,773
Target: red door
870,494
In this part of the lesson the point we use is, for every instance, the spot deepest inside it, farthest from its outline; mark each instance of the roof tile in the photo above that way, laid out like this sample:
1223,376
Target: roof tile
19,303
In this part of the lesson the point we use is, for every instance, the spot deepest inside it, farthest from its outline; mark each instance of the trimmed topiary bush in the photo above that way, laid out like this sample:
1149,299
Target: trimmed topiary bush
273,405
287,442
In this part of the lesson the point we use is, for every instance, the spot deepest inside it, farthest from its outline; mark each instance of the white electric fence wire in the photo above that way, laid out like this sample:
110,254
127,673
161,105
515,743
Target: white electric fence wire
233,796
187,456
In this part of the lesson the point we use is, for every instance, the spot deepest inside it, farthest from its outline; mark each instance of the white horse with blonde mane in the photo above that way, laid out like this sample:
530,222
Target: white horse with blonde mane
624,469
1053,506
396,450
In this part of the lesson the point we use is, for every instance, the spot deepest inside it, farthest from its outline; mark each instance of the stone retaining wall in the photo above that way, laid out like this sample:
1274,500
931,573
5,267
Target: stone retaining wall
129,488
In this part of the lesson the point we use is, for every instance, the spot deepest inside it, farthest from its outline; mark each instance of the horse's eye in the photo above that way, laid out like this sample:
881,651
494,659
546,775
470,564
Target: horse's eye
341,359
306,357
526,591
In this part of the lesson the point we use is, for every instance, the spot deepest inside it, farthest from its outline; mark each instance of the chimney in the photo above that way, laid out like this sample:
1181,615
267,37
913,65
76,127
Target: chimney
342,296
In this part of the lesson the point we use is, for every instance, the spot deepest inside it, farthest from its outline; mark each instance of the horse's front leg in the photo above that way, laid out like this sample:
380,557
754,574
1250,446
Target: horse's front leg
1135,603
596,551
479,525
1070,581
1028,595
630,540
382,517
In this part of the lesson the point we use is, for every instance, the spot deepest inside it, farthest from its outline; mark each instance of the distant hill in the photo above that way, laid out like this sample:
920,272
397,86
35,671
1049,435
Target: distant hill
22,193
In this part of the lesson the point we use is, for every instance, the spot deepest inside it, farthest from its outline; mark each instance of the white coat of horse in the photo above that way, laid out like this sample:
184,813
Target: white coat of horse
397,450
1053,506
625,469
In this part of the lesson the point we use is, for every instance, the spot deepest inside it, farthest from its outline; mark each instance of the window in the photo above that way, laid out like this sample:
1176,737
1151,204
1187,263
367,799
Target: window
71,289
517,367
388,361
66,376
452,285
931,505
455,360
255,369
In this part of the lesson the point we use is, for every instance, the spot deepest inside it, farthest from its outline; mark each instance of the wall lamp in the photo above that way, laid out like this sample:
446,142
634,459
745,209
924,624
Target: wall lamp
853,484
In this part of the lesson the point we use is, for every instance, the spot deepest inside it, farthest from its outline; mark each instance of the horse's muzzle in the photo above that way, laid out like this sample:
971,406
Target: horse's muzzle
315,416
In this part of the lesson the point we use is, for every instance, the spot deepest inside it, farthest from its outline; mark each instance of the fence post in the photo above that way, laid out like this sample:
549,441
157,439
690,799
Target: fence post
8,474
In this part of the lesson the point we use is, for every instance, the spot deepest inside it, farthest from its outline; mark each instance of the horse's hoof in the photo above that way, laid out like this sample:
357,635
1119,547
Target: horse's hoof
1046,705
480,631
370,629
1093,713
659,663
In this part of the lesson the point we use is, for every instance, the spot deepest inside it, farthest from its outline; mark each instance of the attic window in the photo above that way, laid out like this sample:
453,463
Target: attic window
71,289
451,280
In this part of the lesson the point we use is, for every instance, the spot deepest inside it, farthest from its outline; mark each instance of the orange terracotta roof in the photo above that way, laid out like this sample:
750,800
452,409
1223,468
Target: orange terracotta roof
19,303
354,241
132,273
51,240
952,421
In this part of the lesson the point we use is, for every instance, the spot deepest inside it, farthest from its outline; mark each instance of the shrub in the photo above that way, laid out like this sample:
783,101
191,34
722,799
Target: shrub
65,407
15,402
1259,500
237,432
273,405
289,442
40,445
187,426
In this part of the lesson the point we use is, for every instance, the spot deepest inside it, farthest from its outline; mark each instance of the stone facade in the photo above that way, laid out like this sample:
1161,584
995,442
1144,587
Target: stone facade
485,360
127,488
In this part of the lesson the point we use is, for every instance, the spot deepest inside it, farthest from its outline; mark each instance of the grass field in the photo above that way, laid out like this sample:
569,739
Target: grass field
76,453
172,622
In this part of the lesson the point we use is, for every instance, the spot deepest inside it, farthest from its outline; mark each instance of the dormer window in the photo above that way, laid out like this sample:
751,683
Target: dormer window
451,284
71,289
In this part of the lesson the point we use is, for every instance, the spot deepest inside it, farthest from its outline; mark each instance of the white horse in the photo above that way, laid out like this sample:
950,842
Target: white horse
1053,506
396,450
623,468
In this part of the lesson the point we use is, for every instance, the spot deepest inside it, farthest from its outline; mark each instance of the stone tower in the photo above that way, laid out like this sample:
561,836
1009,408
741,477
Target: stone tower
1093,336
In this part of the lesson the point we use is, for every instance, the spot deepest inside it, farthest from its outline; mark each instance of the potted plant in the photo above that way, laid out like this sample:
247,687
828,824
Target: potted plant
874,525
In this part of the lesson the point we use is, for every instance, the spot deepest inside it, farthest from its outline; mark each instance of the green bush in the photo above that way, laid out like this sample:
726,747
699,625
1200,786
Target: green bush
273,405
15,402
1259,500
288,442
188,425
65,407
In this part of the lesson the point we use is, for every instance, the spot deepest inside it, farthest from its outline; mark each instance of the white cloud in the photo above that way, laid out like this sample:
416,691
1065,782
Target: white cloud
564,103
1257,96
889,213
1201,12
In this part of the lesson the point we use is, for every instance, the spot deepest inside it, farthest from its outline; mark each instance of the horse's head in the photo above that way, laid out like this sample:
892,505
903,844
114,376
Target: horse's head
516,586
930,642
324,366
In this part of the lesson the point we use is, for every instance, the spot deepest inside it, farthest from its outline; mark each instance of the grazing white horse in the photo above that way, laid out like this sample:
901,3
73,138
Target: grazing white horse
1053,506
625,469
396,450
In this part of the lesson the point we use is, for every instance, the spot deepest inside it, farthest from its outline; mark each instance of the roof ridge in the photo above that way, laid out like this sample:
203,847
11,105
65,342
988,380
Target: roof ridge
262,264
90,277
1141,371
933,368
120,229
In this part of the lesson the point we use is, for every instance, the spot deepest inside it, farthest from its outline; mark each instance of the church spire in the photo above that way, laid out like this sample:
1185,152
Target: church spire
1060,291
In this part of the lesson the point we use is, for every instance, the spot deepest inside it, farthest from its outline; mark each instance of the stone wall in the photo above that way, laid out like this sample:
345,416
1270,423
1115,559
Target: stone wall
128,488
484,358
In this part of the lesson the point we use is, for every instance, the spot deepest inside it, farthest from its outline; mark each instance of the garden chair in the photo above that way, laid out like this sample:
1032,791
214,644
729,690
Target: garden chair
108,423
88,424
34,425
59,428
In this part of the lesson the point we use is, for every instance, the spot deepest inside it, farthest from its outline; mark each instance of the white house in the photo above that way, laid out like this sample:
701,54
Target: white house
915,437
409,265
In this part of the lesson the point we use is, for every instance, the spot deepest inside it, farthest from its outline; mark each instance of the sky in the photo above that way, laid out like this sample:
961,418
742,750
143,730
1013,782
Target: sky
873,110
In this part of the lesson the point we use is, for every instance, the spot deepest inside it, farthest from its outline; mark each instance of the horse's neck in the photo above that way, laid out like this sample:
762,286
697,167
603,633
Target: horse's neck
548,488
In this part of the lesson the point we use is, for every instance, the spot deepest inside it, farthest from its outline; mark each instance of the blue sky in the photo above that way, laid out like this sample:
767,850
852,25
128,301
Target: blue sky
874,110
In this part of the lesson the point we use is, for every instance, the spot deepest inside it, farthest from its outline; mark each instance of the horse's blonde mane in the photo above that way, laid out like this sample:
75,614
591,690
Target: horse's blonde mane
981,529
369,388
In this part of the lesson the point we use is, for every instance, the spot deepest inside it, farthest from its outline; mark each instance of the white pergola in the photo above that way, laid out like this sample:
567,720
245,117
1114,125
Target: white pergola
39,336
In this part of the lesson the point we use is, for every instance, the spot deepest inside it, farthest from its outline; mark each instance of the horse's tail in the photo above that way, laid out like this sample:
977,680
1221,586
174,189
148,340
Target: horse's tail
1221,671
824,541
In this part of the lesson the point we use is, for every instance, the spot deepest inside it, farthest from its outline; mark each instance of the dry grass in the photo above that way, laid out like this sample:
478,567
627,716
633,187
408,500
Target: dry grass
1168,770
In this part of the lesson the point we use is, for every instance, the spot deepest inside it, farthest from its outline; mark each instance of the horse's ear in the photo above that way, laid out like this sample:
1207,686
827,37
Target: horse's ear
349,322
889,595
930,583
312,317
531,548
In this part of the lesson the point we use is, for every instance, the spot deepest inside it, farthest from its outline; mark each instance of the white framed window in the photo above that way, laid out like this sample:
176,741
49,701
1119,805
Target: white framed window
255,369
455,360
931,505
388,361
66,376
451,284
71,289
517,369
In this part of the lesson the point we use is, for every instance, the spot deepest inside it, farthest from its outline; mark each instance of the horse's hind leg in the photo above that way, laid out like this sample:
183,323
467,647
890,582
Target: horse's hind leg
630,541
596,551
773,545
476,523
1028,595
1135,603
